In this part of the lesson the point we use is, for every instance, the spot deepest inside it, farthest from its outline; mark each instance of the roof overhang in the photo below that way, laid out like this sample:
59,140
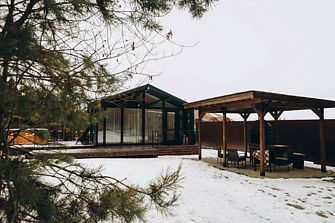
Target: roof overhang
249,101
139,97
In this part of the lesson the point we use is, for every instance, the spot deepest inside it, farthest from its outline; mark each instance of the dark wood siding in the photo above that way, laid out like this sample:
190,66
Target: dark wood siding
301,135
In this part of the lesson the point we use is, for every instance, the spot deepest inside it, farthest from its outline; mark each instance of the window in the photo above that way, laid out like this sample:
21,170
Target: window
132,129
170,126
153,125
113,125
101,130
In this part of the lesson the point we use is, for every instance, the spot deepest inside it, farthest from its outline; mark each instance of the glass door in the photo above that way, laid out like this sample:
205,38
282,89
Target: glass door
170,131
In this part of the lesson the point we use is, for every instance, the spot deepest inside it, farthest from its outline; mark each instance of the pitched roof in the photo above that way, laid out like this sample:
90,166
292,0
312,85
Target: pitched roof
248,100
134,95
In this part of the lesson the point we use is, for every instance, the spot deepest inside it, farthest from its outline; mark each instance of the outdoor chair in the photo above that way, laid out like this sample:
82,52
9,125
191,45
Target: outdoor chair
256,158
252,148
220,154
281,157
84,138
235,158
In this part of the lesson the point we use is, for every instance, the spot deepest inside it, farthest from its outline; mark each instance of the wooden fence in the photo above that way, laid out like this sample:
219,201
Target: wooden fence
301,136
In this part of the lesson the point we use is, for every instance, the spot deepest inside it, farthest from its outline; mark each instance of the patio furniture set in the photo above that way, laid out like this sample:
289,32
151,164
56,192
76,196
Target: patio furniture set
275,156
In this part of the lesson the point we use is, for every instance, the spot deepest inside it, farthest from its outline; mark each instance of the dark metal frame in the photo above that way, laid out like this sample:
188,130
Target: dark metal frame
138,98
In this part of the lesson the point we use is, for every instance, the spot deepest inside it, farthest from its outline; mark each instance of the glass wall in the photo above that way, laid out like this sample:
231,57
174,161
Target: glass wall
153,122
132,126
132,129
113,126
170,126
100,130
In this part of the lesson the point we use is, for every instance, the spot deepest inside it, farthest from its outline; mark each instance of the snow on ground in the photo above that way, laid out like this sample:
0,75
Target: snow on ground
212,195
55,144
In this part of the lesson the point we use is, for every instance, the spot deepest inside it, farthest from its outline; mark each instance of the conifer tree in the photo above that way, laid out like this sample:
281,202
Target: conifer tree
54,56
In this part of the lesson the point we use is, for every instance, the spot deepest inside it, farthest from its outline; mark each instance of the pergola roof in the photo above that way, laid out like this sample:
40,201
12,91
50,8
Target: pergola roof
247,102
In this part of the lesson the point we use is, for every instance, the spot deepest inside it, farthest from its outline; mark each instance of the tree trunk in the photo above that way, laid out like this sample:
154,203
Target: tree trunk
11,210
3,139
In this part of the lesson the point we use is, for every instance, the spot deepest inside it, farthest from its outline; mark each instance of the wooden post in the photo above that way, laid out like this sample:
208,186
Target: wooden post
276,128
320,112
322,144
261,114
200,115
245,117
276,115
262,143
224,138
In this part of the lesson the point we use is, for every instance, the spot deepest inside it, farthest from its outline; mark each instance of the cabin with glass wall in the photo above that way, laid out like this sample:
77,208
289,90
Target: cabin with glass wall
144,115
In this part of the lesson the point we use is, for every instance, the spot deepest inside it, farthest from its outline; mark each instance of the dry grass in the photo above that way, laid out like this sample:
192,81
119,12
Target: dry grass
282,172
296,206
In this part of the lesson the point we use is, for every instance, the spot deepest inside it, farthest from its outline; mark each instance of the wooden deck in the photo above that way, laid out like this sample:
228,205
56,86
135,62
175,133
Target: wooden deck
178,150
130,151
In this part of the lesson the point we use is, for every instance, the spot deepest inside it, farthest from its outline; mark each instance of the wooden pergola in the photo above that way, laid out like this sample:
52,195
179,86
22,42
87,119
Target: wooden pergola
261,103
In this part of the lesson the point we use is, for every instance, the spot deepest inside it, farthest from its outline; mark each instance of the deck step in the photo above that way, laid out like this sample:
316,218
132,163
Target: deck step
129,151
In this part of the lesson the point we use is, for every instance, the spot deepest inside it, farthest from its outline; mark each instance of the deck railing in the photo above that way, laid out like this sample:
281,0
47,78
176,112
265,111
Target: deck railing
173,137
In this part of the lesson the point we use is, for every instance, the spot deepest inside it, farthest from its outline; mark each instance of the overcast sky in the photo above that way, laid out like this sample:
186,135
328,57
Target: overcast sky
283,46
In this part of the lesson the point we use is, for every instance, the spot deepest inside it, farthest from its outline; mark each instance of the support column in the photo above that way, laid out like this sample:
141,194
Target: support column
276,115
224,138
245,117
322,144
262,143
320,112
261,114
200,116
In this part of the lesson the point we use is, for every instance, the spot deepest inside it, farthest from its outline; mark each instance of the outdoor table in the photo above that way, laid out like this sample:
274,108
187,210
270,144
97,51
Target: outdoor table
278,146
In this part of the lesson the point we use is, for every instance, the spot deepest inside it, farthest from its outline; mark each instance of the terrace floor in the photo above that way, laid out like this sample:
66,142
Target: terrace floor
310,170
124,151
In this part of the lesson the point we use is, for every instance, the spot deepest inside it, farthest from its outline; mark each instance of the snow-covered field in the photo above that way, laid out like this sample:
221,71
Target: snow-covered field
212,195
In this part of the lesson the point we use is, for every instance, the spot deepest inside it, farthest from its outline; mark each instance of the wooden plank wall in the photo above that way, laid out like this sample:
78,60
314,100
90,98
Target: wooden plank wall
301,135
211,134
